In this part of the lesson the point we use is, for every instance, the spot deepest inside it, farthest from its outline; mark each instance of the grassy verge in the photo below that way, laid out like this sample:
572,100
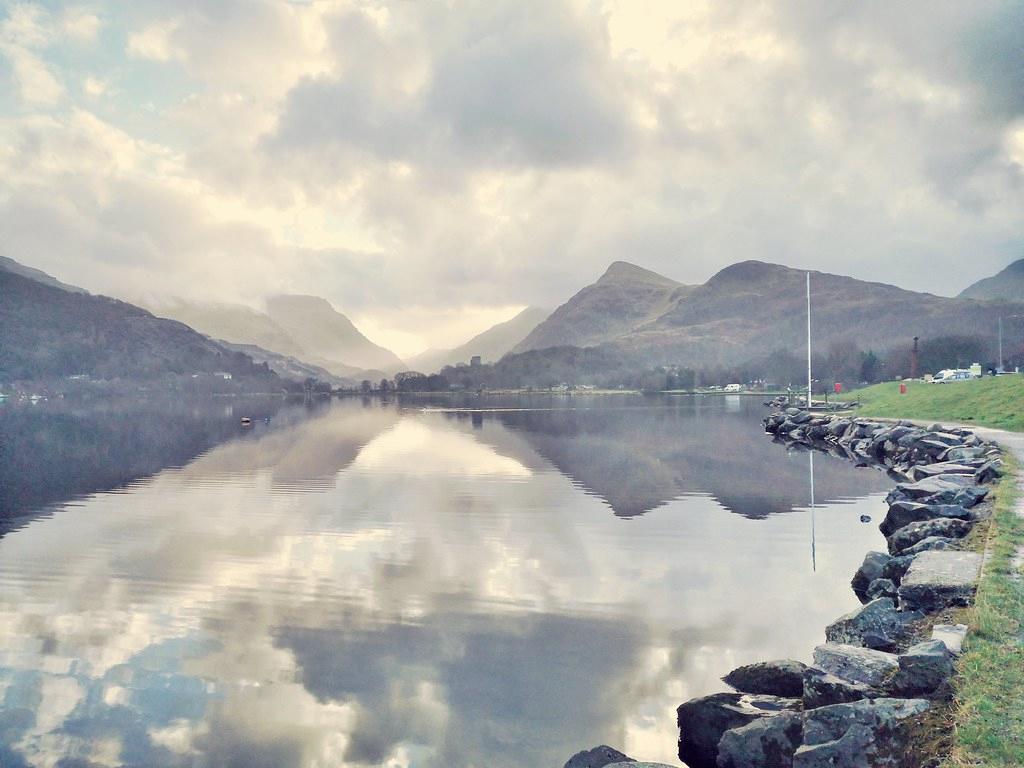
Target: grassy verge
989,714
994,402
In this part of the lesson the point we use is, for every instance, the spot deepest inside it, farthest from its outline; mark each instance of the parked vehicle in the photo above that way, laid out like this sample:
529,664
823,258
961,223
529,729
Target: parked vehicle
733,388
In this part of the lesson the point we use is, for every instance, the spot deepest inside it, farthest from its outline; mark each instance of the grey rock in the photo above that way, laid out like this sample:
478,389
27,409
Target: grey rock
968,497
964,453
598,757
772,678
767,742
882,588
636,764
909,535
862,734
860,665
822,689
923,668
951,635
932,542
896,567
869,570
940,489
703,721
875,625
903,513
936,580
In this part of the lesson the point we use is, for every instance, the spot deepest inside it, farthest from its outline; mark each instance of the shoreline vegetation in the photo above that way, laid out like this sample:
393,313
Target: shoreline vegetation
988,718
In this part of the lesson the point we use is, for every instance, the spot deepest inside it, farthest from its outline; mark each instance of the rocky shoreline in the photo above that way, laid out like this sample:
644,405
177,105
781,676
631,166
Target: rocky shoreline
856,706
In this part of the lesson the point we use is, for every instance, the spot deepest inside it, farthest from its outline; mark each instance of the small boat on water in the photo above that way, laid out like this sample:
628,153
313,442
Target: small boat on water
246,421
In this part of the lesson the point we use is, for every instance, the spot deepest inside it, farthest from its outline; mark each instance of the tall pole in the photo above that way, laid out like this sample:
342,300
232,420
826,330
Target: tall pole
814,534
808,341
1000,366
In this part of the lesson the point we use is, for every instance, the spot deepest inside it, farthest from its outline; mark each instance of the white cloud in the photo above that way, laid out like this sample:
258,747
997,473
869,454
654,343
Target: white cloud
80,25
155,42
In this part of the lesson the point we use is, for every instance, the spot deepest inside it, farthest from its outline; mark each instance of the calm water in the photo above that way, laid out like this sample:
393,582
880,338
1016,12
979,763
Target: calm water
364,584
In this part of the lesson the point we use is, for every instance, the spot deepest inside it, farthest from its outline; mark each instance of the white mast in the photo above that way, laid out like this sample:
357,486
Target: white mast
808,341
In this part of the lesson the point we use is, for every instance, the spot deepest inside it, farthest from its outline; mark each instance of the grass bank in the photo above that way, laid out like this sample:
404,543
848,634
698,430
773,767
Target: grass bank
992,401
989,713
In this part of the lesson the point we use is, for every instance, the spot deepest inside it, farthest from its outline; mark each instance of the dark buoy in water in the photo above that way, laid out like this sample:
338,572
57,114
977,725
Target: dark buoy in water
865,518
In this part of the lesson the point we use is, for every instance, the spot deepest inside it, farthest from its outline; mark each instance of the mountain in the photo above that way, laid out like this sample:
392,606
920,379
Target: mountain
748,310
491,344
288,367
46,331
327,336
625,297
1008,285
235,323
10,265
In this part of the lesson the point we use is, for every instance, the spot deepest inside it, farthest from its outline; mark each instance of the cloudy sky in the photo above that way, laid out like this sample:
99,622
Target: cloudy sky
431,167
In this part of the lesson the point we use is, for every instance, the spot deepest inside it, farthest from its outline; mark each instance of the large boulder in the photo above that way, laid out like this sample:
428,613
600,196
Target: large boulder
861,734
969,496
923,669
703,721
932,542
903,513
770,678
598,757
909,535
861,665
770,741
875,625
870,569
941,489
936,580
822,689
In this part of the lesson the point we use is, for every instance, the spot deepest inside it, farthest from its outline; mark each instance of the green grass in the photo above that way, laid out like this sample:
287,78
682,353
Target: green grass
992,401
989,715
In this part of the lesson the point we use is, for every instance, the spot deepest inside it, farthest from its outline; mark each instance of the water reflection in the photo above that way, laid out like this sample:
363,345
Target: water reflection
387,586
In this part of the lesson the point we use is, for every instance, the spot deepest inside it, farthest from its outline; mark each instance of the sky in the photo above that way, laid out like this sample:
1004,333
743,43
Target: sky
431,168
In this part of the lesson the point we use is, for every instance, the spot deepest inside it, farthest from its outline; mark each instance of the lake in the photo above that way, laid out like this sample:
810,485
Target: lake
474,582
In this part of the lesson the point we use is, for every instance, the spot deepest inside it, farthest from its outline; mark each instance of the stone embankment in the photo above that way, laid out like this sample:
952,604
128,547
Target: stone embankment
870,681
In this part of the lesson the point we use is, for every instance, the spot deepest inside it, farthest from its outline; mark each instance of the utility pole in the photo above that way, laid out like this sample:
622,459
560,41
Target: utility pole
808,341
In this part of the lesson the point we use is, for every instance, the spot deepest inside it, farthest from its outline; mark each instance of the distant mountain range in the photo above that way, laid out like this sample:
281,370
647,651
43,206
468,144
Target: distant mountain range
1008,285
491,345
306,329
749,309
48,329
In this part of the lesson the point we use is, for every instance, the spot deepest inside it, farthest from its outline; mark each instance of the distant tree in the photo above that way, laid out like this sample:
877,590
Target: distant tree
384,386
366,387
870,366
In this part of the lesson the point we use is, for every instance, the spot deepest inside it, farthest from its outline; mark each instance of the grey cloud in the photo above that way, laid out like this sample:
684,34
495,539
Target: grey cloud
503,85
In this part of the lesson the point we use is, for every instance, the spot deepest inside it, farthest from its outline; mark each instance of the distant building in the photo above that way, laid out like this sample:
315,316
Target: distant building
222,375
474,361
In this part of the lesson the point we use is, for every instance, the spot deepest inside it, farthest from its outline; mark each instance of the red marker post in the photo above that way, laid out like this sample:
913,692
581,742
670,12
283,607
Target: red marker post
838,387
903,388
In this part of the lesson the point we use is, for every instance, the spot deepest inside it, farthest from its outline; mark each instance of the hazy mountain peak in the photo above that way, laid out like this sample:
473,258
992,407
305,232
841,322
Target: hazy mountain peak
328,334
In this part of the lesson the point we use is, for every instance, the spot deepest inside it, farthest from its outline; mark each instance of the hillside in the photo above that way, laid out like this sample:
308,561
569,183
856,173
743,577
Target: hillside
750,309
10,265
491,345
288,367
992,401
329,337
1008,285
625,297
47,331
235,323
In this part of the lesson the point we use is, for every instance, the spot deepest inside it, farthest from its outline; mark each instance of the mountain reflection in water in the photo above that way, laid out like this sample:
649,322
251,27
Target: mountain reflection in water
369,584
